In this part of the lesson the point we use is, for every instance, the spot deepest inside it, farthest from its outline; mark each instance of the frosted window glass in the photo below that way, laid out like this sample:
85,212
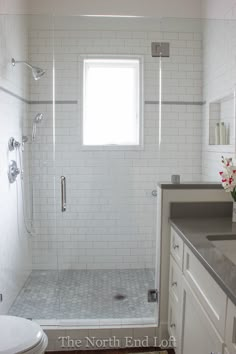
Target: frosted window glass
111,107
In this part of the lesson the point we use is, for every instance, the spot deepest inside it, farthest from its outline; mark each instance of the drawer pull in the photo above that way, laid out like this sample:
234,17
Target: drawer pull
174,283
172,325
176,247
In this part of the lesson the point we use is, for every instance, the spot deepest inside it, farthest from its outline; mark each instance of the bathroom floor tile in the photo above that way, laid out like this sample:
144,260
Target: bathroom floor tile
86,294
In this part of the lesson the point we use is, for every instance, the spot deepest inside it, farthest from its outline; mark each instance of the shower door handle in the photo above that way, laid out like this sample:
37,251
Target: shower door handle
63,193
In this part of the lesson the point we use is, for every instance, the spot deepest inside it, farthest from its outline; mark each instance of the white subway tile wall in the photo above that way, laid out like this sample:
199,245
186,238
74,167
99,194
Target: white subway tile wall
15,254
111,213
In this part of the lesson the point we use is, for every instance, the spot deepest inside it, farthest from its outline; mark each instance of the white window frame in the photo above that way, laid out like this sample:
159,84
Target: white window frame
141,102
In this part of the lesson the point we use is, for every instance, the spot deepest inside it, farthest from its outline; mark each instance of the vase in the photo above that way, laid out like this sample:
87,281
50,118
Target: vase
234,212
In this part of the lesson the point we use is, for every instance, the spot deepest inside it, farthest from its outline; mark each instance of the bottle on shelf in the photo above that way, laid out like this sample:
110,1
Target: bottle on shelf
217,134
222,133
227,134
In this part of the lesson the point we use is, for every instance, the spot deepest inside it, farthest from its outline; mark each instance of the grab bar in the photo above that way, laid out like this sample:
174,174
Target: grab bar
63,193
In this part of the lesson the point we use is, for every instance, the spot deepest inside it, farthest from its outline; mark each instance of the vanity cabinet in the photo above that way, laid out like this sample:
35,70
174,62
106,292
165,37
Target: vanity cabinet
230,330
175,288
197,306
198,332
174,308
211,297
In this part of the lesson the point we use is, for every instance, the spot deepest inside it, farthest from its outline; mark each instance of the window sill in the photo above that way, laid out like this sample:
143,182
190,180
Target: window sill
112,147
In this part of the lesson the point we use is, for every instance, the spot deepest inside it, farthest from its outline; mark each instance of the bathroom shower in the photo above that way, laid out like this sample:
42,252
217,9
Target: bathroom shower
36,72
37,120
16,168
14,171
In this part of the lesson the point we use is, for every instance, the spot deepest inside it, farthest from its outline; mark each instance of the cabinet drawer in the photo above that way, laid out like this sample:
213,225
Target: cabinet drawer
210,295
174,322
175,281
230,330
176,248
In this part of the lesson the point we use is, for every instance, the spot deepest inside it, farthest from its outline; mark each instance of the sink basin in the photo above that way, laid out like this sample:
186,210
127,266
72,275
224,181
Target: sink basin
226,244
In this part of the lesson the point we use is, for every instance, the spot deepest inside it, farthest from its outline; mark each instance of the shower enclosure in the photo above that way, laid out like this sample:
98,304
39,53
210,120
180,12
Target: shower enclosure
105,123
91,208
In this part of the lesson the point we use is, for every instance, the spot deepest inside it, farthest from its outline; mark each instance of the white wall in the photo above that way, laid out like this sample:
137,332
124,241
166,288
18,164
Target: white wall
15,260
13,6
218,9
219,52
110,221
153,8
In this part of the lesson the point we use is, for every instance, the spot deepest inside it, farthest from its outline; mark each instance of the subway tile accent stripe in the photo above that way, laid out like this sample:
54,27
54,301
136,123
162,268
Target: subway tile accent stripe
13,95
56,102
36,102
184,103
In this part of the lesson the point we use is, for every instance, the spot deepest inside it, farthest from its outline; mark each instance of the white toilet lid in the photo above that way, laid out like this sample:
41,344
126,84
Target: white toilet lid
18,334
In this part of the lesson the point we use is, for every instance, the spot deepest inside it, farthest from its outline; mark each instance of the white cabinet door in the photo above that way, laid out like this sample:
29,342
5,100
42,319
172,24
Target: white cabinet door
198,333
226,351
230,330
210,295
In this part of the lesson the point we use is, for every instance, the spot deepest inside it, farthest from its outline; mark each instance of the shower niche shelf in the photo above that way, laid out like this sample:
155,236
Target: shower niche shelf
222,124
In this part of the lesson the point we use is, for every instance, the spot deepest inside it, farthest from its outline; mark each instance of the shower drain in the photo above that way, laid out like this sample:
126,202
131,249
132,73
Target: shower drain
119,297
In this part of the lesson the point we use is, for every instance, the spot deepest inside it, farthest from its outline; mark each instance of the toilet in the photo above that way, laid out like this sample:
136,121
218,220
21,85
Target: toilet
18,336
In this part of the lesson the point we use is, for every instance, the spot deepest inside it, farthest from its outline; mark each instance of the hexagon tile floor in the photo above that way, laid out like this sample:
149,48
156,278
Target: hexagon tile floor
86,294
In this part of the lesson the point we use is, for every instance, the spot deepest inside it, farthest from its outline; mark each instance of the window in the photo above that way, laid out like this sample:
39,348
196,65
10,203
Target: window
111,101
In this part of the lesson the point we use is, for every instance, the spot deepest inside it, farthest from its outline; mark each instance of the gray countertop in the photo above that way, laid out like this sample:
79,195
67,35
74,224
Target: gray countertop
190,185
194,232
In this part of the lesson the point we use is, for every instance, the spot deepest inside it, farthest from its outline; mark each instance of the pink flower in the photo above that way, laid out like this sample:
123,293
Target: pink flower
228,175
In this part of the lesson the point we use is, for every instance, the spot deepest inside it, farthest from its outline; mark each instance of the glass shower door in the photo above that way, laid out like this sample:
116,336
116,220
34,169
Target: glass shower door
107,247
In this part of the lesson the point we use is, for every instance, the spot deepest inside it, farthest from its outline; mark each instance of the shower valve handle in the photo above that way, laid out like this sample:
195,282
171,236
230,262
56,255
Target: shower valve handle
13,171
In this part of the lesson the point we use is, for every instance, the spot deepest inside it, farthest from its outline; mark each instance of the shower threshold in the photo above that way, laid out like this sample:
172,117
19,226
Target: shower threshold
113,323
89,298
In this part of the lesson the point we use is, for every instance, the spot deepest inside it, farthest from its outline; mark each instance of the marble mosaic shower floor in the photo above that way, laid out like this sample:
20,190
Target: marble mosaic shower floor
86,294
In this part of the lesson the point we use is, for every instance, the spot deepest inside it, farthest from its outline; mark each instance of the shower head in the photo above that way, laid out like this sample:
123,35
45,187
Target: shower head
37,119
36,72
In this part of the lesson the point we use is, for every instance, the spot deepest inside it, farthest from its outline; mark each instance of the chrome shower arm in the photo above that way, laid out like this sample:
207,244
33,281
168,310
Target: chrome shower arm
36,72
25,62
14,62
